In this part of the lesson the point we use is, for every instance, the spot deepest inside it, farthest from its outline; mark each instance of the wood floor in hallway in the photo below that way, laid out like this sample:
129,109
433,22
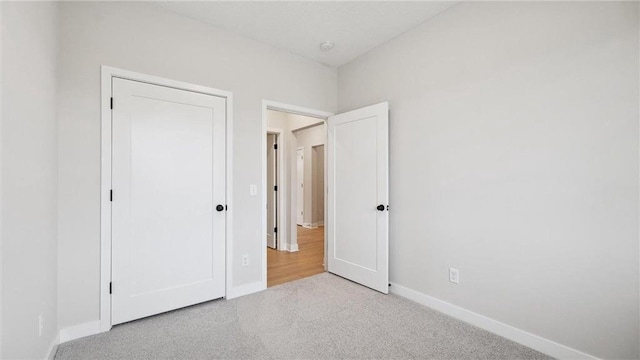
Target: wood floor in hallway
284,266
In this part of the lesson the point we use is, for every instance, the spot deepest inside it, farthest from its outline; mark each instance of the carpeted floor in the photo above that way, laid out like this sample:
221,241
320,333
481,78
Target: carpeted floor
320,317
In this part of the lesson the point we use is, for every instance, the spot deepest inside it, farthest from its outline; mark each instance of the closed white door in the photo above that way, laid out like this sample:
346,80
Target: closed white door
168,176
358,195
300,185
271,191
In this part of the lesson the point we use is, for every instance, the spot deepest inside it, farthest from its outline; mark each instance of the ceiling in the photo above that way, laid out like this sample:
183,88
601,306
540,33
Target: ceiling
300,26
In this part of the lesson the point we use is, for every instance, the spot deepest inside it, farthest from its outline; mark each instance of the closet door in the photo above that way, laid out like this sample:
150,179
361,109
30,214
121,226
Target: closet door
168,218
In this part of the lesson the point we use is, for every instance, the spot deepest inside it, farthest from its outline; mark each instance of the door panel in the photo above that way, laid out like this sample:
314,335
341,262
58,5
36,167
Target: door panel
168,175
357,231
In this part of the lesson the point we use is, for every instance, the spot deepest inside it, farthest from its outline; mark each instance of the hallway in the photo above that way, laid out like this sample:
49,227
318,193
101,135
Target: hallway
284,266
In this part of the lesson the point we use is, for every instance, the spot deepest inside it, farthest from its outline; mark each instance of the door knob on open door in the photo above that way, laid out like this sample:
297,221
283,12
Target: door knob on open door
219,207
380,207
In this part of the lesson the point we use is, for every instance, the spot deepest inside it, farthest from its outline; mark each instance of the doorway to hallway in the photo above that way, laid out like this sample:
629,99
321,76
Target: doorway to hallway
295,196
356,174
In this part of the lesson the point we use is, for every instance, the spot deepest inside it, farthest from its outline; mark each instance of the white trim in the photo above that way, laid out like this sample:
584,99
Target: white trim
290,247
80,331
291,109
309,127
107,73
316,225
294,194
53,348
309,226
525,338
245,289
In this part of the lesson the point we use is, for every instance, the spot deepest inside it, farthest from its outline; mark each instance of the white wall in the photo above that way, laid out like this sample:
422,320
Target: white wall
307,139
514,157
318,191
1,203
29,178
144,38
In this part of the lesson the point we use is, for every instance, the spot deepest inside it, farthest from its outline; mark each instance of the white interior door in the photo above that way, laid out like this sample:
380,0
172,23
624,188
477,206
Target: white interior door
168,176
300,185
271,190
358,195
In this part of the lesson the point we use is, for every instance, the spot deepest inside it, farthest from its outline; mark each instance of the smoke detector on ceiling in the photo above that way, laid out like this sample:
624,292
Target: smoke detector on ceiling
327,45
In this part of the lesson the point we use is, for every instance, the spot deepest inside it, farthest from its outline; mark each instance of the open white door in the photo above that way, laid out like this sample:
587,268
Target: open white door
168,209
358,194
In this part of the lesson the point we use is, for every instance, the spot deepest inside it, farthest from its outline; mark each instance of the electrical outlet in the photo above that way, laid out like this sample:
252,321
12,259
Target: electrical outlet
253,190
40,324
245,260
454,275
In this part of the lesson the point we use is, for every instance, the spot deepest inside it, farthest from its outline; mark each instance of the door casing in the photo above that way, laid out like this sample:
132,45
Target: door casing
107,73
300,163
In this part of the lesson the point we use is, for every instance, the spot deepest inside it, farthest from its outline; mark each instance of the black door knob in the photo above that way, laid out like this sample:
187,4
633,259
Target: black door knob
380,207
219,207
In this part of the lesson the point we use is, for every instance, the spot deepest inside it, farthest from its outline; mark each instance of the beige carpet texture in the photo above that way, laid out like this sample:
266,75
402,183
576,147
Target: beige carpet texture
320,317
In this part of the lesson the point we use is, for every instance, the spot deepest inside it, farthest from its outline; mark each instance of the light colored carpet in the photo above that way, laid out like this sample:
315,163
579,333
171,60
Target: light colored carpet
320,317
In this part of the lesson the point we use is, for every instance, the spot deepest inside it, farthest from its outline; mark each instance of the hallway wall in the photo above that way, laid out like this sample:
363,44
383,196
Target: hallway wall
307,139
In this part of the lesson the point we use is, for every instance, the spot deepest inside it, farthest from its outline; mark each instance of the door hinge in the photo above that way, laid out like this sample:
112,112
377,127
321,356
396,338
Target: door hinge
275,146
275,230
111,104
110,195
275,188
110,288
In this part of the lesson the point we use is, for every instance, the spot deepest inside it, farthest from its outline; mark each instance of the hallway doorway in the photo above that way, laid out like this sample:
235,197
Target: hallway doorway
295,196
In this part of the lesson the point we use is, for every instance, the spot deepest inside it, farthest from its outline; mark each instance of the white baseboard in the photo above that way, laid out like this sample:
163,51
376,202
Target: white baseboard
313,225
533,341
290,247
79,331
243,290
51,354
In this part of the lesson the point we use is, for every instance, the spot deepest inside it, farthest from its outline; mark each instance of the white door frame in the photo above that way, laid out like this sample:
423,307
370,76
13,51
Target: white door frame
280,179
313,184
299,184
107,73
284,221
